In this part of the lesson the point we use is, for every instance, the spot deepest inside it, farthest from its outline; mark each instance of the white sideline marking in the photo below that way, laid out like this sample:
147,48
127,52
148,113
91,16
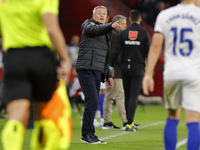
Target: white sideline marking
113,136
125,132
153,124
179,144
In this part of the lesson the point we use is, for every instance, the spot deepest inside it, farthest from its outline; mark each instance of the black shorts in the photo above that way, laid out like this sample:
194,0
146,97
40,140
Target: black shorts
29,73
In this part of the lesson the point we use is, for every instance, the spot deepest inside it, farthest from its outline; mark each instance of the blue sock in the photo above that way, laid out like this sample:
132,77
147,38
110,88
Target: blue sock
170,134
101,99
193,136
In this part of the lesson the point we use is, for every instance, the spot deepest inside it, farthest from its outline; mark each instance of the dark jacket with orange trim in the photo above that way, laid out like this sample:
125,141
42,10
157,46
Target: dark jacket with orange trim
134,43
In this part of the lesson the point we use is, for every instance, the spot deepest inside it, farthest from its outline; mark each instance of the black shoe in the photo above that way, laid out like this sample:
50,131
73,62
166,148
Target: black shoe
109,126
124,127
91,139
130,127
101,142
137,125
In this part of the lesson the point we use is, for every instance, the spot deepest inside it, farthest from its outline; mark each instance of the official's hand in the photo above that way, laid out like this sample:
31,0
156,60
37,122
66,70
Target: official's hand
115,24
63,71
147,84
110,82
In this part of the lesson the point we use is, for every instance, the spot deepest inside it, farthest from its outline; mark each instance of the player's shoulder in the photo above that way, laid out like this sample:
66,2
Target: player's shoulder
168,11
178,8
124,31
131,28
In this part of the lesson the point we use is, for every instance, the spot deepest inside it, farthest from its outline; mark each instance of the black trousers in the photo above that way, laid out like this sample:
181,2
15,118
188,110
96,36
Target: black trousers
90,83
132,75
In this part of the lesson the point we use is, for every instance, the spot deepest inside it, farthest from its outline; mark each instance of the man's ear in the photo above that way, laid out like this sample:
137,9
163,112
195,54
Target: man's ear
140,19
130,19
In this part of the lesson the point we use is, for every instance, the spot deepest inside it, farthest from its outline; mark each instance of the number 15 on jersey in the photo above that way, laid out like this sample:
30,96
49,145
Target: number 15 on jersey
183,31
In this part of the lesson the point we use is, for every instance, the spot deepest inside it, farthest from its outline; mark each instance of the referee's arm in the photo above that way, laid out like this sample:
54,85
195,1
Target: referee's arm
56,36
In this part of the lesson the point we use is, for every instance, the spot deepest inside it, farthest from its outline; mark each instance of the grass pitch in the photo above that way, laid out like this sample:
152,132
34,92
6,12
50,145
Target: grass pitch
148,137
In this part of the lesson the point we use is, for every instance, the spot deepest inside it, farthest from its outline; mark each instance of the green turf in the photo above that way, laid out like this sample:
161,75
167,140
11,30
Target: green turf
146,138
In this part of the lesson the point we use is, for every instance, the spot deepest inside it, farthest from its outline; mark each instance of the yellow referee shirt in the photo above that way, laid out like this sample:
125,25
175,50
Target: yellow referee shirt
21,22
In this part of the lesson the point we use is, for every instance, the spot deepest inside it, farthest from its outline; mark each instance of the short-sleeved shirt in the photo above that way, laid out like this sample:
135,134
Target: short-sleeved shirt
180,26
21,22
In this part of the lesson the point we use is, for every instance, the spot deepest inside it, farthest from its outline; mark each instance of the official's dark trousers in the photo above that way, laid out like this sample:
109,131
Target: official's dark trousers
132,82
90,83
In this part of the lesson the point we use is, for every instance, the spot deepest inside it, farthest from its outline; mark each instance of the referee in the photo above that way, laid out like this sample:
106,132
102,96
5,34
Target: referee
134,43
30,32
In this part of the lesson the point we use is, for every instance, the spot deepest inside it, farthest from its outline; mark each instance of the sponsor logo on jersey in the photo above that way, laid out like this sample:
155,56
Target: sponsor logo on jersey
132,42
133,35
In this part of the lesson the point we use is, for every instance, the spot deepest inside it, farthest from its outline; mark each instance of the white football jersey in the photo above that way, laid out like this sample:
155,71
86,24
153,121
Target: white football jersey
180,26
